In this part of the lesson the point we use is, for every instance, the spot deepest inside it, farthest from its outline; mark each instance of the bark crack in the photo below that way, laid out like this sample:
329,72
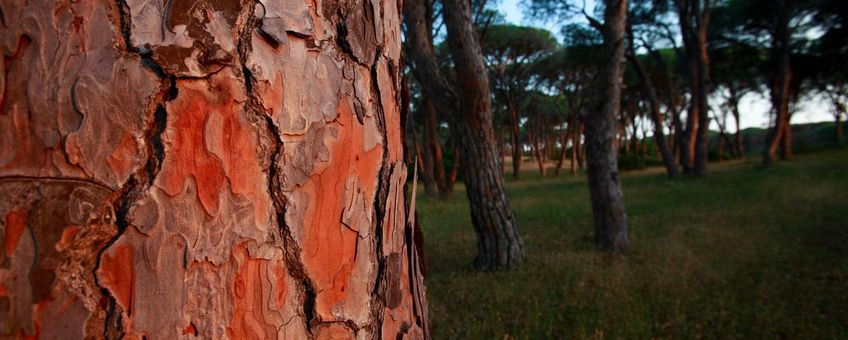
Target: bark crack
123,198
291,250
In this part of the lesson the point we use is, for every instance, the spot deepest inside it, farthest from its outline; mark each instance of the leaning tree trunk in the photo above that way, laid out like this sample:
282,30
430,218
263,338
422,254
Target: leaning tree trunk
240,176
604,180
649,90
498,241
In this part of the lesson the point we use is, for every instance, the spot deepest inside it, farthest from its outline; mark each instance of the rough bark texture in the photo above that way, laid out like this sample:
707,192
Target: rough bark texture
608,211
498,241
213,169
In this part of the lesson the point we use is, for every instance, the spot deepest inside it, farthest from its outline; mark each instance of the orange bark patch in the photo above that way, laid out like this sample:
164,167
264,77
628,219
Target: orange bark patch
123,157
248,320
390,107
67,237
190,330
208,140
186,155
15,224
329,246
280,293
117,274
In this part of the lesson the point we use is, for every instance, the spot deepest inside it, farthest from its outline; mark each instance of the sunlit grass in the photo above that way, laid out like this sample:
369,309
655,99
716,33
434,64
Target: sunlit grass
742,253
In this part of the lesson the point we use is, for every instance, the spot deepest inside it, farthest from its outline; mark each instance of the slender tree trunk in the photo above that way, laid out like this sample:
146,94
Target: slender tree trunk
780,87
839,128
454,172
150,195
581,145
515,134
499,244
681,152
738,148
425,156
564,137
425,165
538,153
434,145
608,211
575,144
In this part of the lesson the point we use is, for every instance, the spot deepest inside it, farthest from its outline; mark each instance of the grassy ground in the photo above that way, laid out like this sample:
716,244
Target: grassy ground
743,253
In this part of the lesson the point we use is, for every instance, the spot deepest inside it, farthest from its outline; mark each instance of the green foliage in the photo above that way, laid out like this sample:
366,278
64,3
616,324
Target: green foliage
739,254
516,42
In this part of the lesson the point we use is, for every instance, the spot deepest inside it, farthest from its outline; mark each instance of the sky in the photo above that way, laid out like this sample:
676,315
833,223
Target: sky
754,107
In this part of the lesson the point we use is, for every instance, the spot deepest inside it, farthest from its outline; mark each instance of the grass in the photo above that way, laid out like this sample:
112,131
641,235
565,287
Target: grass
742,253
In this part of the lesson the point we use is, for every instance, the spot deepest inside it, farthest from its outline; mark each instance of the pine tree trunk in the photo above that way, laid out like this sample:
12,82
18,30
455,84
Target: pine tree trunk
424,154
702,145
229,181
564,136
515,134
608,211
434,145
498,242
780,87
738,148
575,144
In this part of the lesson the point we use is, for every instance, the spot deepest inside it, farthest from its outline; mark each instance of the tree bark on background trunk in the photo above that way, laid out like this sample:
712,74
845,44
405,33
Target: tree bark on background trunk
515,134
694,17
498,242
422,150
434,145
181,191
564,137
780,87
738,147
702,144
608,210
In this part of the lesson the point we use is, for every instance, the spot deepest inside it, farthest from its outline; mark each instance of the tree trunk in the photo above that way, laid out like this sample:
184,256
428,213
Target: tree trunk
498,241
425,156
608,211
694,17
538,153
236,188
786,149
738,148
839,128
780,86
564,136
575,144
454,172
515,134
702,143
434,145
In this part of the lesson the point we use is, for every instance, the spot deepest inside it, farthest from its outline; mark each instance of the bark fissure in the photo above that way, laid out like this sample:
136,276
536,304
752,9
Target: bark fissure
218,147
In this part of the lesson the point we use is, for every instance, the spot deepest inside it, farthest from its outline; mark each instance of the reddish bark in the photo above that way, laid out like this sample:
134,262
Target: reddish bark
240,176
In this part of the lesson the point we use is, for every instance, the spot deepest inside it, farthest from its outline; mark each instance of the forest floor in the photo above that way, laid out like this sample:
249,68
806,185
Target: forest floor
742,253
